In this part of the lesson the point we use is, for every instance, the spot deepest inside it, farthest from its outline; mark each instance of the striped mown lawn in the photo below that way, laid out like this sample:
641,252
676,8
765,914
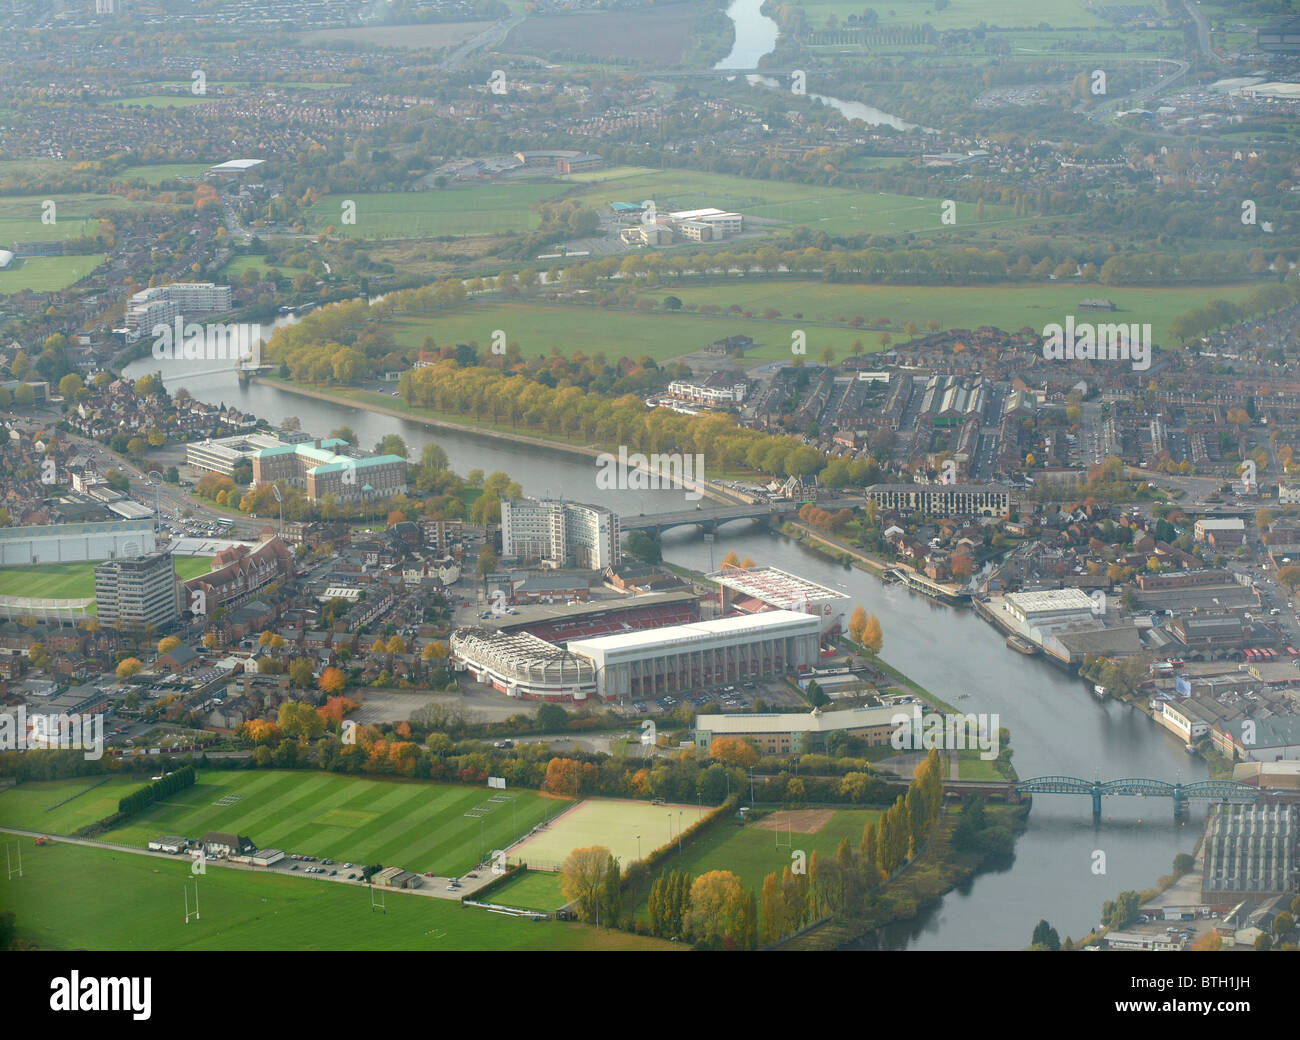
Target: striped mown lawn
417,825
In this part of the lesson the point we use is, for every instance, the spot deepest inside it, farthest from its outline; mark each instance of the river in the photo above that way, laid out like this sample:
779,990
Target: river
1056,726
756,36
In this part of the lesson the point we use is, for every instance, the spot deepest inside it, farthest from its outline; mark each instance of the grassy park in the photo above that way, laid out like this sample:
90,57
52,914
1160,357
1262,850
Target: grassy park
242,910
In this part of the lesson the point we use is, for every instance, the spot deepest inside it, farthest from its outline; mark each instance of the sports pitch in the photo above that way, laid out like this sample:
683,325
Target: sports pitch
76,580
755,849
64,806
135,902
417,825
611,822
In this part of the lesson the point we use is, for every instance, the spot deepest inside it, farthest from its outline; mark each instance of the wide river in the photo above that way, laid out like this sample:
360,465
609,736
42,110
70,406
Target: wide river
1057,726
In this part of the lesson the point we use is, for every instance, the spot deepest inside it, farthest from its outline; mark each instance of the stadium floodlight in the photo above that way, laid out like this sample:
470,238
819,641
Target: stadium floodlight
157,486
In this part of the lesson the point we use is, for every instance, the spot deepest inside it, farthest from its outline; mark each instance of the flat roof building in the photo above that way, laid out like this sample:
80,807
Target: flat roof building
137,592
560,533
943,499
702,654
223,454
752,589
780,733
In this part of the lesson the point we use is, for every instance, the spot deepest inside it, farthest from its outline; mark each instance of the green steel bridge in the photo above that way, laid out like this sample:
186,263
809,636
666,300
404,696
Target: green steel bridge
1141,787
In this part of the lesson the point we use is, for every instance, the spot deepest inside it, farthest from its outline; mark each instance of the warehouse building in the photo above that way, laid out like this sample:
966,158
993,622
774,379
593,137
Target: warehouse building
1250,851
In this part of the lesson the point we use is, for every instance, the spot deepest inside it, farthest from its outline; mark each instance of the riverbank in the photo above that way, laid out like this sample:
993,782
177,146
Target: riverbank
576,451
918,887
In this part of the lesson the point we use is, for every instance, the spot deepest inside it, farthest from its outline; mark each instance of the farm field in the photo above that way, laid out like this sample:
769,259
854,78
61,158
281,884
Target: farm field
76,580
750,850
31,806
417,825
530,890
486,210
611,822
243,910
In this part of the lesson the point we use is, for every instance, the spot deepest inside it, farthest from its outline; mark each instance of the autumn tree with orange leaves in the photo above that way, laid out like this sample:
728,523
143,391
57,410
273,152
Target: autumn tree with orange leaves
332,680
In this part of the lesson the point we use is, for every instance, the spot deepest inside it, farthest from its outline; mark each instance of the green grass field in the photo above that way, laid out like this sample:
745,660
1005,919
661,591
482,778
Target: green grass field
751,852
488,210
239,264
136,902
47,273
31,806
416,825
530,890
538,327
158,172
812,205
76,580
611,822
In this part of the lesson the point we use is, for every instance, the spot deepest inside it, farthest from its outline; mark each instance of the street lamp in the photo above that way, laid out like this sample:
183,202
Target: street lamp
275,490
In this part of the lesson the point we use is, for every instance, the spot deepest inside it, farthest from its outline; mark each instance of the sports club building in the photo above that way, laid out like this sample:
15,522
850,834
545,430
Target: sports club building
758,589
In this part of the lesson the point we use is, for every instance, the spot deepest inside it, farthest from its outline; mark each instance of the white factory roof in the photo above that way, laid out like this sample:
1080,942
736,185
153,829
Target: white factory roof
798,722
1050,599
693,633
236,165
1234,523
774,586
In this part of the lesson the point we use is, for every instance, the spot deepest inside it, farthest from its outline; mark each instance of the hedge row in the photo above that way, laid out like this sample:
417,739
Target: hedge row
146,796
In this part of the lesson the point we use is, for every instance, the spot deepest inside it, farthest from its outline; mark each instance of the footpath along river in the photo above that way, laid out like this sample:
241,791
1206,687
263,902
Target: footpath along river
1057,726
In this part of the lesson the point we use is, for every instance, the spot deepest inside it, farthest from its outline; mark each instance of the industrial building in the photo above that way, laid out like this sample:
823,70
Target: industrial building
755,589
1049,607
562,534
701,654
137,592
1250,850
